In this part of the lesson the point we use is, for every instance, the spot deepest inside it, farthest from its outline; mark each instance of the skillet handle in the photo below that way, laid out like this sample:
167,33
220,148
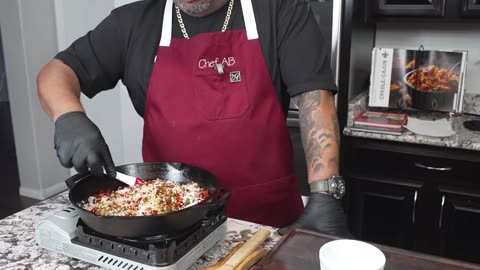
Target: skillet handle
74,179
218,202
224,197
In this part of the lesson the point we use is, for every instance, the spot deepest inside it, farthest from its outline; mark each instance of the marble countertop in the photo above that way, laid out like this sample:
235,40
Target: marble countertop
462,139
19,251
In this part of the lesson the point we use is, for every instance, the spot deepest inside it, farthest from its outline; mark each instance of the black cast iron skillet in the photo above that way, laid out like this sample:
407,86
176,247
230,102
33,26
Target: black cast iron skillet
83,186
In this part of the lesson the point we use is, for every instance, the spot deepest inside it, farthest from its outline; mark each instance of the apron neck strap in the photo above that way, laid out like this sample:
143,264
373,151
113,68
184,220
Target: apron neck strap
167,24
248,17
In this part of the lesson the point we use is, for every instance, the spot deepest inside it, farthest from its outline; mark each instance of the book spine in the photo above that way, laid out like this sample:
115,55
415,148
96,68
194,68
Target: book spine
382,72
461,88
377,131
378,128
372,78
378,125
360,121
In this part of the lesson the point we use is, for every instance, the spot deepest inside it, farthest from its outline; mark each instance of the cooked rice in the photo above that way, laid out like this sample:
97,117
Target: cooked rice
150,198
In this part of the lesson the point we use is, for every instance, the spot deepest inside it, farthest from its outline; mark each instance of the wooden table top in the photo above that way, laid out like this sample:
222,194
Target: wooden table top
299,250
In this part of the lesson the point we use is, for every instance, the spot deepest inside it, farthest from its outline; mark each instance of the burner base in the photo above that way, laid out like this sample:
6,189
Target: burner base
57,233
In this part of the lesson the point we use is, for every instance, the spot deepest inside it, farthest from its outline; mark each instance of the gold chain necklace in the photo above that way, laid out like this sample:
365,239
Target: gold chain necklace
184,30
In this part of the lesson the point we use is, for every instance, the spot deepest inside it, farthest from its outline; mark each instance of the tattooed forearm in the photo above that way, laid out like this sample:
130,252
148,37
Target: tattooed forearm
320,133
336,128
333,162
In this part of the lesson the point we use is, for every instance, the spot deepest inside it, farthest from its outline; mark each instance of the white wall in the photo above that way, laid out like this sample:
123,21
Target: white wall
111,110
437,36
33,32
3,76
29,40
132,124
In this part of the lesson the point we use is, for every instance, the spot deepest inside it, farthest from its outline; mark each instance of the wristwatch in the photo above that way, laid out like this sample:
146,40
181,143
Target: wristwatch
334,185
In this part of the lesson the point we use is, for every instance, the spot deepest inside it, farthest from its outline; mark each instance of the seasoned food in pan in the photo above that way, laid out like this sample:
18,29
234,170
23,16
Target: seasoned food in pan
150,198
433,78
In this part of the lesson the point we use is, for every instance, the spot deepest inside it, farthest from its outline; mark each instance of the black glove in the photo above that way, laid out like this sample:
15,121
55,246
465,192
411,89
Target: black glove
323,214
80,144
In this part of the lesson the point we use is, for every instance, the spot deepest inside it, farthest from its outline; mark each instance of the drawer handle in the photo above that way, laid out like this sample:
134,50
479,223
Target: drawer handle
414,206
440,221
444,169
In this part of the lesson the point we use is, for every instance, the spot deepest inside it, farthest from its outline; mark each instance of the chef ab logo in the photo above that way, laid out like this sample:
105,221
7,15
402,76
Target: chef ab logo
210,63
235,77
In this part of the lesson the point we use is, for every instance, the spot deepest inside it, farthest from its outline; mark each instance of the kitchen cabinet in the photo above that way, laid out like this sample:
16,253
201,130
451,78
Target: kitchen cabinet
417,197
384,211
424,10
471,8
458,223
410,7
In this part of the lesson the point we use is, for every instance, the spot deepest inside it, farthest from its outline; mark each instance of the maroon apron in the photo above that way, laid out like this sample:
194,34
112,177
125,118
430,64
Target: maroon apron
230,124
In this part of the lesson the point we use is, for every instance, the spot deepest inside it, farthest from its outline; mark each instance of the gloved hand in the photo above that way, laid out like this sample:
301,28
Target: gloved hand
80,144
324,214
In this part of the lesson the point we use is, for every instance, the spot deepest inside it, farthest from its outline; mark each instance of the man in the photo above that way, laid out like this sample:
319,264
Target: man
211,78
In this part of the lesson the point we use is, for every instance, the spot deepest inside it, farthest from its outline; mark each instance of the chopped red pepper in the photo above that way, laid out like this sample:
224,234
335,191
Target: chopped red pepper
168,199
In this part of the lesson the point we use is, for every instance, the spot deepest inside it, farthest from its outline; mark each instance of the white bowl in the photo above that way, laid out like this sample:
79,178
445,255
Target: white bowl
350,255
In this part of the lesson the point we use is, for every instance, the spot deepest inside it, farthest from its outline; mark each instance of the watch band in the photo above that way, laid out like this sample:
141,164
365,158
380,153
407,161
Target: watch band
334,186
319,186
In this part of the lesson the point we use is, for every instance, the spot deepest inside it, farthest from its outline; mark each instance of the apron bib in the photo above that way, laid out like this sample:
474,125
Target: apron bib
230,124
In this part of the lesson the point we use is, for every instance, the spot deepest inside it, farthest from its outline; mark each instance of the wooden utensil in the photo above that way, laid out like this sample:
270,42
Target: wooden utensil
245,250
252,259
225,259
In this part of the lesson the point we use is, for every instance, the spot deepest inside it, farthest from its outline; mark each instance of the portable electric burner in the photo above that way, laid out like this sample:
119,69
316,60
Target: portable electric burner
65,233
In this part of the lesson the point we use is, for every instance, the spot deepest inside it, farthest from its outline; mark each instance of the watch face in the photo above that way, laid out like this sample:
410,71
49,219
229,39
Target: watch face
338,187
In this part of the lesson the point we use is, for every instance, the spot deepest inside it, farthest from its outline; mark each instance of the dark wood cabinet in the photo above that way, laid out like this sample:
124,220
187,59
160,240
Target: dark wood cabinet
416,197
424,10
458,224
471,8
384,211
413,196
410,7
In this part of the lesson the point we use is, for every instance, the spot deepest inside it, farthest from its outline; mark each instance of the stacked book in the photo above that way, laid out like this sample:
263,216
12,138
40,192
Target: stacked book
380,122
